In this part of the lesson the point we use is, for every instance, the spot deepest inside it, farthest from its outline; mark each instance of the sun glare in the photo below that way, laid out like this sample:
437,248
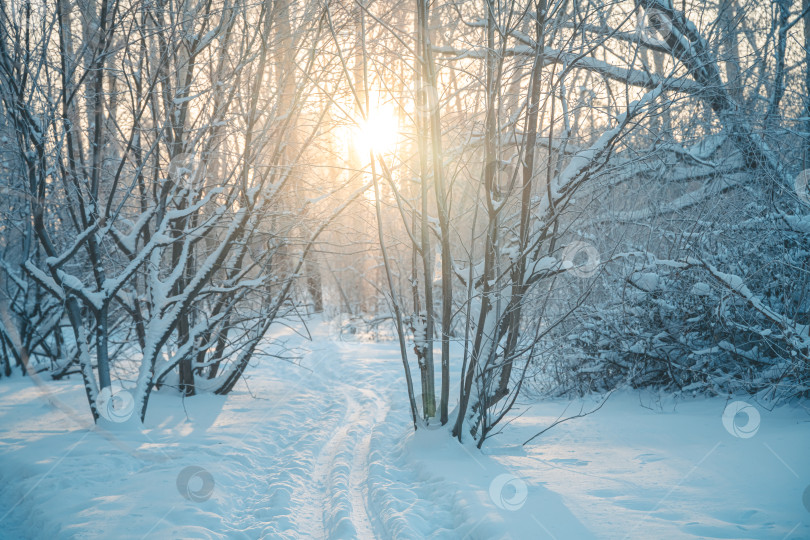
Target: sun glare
378,133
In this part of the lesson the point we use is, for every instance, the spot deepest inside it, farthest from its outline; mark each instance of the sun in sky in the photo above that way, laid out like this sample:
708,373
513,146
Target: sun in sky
377,133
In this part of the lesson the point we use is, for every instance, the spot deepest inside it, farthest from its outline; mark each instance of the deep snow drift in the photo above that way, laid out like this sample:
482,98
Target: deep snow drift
325,448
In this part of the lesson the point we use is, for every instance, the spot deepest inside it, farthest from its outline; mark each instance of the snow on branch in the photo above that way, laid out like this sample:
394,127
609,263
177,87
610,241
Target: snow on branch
44,280
632,77
736,285
581,161
733,283
56,262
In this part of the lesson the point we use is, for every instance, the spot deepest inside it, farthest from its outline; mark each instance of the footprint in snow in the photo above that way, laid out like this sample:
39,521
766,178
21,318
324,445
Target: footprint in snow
648,458
569,461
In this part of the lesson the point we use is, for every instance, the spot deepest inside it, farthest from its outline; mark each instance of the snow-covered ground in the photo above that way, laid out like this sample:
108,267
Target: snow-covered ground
325,449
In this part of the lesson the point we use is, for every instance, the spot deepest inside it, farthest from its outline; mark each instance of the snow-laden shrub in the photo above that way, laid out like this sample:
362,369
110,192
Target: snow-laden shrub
714,301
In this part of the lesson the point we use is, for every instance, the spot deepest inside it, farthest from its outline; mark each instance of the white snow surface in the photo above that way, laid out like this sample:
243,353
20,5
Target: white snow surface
324,448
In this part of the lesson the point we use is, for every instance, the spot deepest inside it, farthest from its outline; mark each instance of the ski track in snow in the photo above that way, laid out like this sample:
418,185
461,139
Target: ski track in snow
299,469
328,488
325,449
333,505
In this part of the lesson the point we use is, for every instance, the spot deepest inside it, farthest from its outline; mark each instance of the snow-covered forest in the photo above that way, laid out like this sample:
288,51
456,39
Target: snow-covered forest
379,269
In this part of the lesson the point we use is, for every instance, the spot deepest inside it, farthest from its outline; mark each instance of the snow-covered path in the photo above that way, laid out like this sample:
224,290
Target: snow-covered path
312,445
324,448
290,461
